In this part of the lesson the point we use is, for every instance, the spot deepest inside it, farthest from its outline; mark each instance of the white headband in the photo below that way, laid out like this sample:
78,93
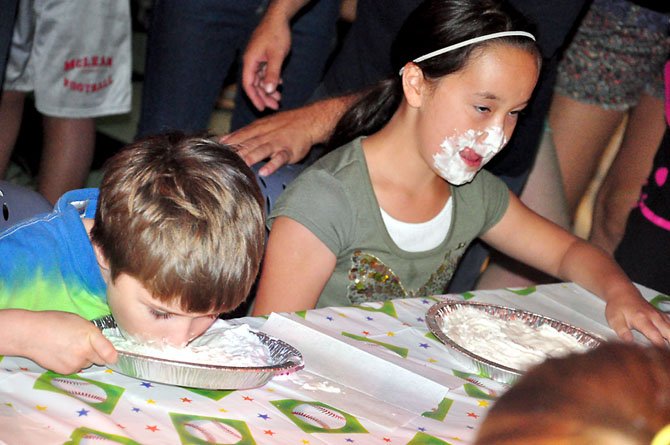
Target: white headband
474,40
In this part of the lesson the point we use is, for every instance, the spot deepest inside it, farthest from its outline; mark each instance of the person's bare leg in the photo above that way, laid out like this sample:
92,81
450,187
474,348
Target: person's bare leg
544,194
581,132
67,155
11,112
621,186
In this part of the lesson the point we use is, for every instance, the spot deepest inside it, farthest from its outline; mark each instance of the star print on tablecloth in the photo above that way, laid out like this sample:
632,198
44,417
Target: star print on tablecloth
82,412
473,415
269,432
153,428
263,416
135,410
146,384
185,399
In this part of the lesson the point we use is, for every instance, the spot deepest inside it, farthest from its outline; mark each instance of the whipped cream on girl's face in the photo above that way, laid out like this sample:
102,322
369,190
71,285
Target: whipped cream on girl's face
463,155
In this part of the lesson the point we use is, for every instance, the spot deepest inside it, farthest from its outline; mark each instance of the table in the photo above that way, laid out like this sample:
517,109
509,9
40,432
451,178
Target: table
330,401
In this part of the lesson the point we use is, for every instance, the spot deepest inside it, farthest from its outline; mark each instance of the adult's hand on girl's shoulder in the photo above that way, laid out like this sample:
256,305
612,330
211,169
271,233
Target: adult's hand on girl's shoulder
286,137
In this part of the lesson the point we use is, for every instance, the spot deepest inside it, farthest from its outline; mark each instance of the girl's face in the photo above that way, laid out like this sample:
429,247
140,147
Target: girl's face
467,117
146,318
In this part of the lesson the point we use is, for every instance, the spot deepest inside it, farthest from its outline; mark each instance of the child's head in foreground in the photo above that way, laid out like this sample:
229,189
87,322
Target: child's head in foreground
179,233
616,394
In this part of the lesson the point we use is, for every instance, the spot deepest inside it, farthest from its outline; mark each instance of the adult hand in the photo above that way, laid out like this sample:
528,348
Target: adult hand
263,58
73,342
287,136
625,313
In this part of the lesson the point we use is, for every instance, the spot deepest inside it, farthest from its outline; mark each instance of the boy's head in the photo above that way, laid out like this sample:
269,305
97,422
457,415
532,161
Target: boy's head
617,393
182,218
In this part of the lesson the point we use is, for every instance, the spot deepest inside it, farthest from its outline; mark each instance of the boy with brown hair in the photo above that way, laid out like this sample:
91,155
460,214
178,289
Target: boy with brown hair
177,238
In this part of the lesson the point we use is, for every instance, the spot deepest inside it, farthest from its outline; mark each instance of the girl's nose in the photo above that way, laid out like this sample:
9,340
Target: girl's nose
493,136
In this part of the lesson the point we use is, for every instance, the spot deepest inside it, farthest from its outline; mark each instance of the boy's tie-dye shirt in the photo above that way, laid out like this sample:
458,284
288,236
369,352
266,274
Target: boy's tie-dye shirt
48,262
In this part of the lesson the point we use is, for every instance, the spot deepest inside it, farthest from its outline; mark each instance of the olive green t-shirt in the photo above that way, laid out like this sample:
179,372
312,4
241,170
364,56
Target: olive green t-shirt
335,200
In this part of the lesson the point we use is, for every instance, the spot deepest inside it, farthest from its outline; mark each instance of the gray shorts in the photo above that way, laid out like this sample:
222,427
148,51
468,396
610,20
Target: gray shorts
74,54
616,55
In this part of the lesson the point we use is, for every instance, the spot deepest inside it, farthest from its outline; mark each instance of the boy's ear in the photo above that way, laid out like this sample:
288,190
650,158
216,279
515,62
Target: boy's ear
102,259
413,84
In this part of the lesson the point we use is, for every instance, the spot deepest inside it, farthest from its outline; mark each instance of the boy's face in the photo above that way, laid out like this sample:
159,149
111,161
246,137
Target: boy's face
146,319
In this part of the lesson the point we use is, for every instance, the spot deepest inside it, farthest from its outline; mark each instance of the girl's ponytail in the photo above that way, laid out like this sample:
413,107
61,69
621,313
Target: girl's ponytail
372,111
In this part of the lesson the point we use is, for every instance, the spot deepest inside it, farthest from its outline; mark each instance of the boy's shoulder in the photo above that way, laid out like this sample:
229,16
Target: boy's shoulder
48,261
65,218
84,200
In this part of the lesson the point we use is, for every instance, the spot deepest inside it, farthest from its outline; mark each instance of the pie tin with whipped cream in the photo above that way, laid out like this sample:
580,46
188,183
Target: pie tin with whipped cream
436,319
284,359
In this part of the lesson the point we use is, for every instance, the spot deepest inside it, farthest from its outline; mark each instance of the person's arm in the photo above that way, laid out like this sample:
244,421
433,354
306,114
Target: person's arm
524,235
296,267
287,136
70,344
266,50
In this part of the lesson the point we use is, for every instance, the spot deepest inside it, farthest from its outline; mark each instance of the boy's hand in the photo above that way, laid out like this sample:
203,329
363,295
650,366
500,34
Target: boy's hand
624,313
69,344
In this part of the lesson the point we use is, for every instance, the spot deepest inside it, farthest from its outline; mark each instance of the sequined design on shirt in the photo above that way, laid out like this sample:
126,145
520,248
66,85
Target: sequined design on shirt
372,280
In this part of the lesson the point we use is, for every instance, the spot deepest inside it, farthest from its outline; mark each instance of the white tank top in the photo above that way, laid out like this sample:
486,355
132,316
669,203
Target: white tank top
419,237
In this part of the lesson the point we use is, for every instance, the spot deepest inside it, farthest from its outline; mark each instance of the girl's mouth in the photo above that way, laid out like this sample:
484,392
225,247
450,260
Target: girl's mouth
470,157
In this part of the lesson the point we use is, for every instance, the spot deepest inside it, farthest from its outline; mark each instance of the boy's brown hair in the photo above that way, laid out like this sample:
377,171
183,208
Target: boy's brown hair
184,216
616,393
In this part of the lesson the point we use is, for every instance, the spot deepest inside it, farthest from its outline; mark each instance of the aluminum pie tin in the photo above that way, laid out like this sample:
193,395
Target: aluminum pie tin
285,359
435,319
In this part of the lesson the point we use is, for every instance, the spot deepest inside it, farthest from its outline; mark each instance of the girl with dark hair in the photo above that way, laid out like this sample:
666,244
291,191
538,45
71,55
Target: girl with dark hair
390,213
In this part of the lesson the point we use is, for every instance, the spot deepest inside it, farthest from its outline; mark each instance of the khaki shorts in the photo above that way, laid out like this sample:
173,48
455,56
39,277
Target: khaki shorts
74,54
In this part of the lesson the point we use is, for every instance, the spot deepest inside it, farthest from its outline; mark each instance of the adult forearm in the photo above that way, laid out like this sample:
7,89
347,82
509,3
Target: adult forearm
330,111
285,9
